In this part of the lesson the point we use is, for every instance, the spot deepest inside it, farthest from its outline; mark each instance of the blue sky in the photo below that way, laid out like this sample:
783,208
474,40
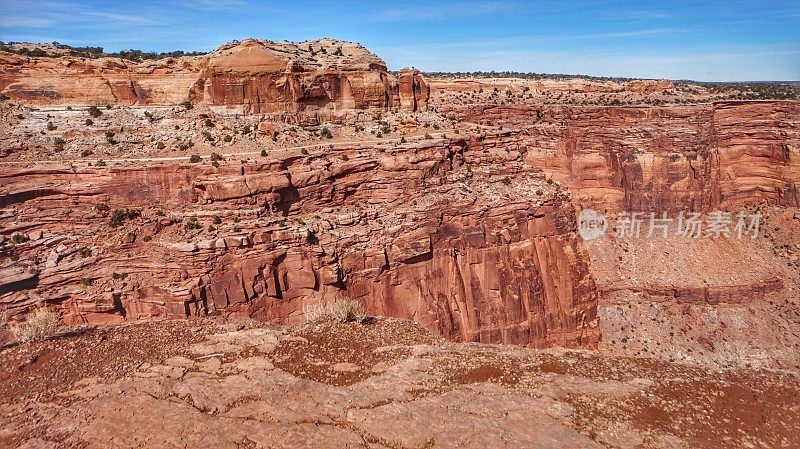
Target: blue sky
701,40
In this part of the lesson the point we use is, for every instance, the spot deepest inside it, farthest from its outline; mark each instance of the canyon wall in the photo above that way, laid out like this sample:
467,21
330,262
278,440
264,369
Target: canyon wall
468,240
465,235
282,79
642,158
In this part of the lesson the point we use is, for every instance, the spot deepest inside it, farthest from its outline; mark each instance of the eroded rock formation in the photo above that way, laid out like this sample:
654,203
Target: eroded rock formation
486,254
284,79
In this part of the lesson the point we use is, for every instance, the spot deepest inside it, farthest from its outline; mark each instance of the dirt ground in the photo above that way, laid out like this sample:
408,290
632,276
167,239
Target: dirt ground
383,383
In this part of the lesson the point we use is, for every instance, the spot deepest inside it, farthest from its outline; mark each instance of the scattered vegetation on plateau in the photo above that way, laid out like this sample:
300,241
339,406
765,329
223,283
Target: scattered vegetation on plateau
93,52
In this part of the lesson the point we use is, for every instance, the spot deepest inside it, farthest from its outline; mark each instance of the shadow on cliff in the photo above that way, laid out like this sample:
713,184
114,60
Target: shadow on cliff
289,196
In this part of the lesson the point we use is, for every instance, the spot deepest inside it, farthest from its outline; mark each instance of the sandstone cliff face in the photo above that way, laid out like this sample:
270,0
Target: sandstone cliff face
648,85
411,231
282,78
699,157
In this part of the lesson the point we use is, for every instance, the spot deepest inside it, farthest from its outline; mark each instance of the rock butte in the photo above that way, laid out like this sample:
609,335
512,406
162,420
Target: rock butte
312,79
471,234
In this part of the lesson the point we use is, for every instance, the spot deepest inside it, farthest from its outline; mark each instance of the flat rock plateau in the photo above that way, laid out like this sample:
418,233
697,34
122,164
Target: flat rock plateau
188,218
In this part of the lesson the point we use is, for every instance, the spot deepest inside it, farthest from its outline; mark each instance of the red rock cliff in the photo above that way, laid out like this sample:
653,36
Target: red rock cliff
412,231
642,158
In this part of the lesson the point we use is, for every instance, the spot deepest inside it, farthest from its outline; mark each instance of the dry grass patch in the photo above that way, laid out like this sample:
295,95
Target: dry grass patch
39,325
343,310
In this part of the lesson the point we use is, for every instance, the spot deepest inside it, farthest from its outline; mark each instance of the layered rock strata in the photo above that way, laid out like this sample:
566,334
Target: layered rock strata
463,238
700,157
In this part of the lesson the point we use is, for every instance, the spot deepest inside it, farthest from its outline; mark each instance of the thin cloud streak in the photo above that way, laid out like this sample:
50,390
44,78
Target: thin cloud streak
122,18
441,11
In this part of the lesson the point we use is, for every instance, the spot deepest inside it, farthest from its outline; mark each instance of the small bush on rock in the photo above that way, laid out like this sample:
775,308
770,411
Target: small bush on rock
191,224
119,216
19,238
59,144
